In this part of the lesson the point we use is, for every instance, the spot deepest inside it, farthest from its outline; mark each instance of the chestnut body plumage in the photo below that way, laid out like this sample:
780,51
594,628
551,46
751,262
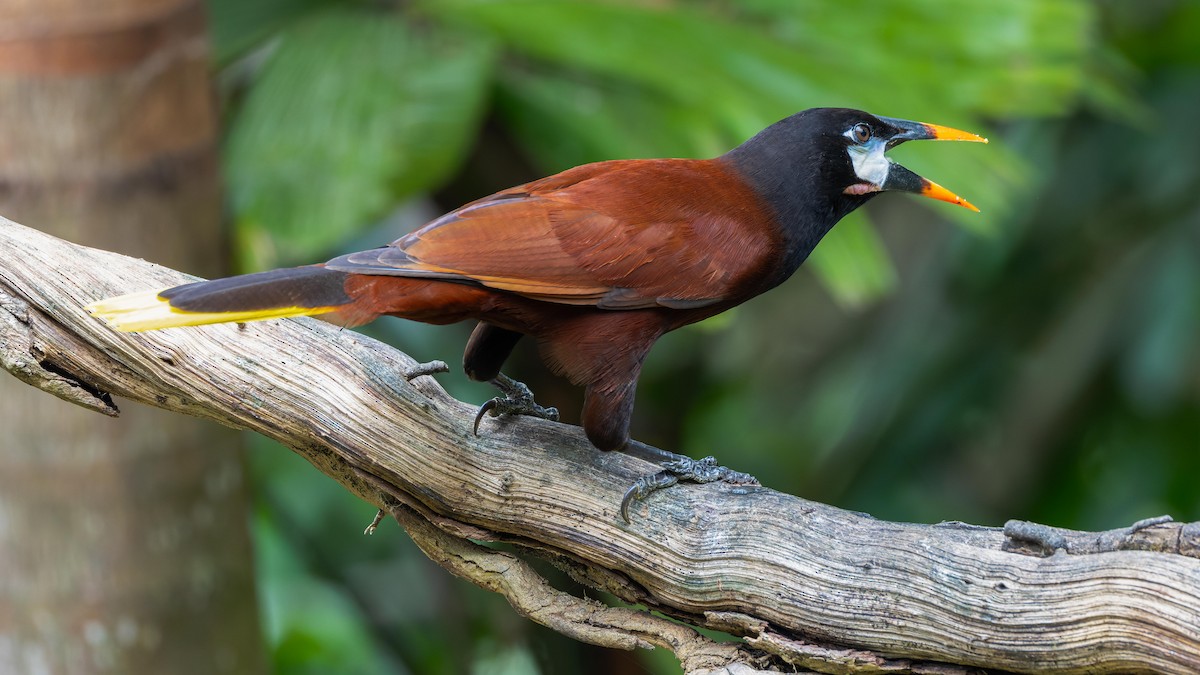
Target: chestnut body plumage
595,263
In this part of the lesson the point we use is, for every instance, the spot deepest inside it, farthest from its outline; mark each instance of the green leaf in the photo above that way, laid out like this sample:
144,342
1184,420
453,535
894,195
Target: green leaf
238,26
853,263
353,113
725,71
311,624
565,120
1019,57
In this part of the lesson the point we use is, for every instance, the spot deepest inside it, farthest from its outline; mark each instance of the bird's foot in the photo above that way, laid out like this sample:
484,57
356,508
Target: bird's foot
517,400
681,468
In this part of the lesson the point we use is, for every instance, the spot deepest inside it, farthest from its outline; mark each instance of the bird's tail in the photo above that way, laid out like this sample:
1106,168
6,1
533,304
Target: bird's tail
297,291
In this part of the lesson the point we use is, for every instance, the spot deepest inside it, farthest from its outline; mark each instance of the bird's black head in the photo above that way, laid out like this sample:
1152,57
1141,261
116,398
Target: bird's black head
820,164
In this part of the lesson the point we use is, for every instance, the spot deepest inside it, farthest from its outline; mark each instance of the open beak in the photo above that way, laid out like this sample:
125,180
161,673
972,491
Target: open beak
901,179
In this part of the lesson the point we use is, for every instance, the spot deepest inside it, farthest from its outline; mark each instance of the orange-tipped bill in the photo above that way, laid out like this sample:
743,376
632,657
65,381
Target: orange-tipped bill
900,178
937,132
920,131
935,191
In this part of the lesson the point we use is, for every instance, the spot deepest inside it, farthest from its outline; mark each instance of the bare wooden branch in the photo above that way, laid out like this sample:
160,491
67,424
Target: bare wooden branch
1160,533
817,587
579,618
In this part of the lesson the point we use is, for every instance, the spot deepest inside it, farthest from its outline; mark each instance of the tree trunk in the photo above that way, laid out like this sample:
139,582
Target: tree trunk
123,543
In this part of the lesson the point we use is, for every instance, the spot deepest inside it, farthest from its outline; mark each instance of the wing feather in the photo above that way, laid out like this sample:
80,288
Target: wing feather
615,235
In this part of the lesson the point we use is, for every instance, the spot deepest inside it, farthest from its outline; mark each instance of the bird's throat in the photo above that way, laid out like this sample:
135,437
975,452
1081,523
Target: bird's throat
804,208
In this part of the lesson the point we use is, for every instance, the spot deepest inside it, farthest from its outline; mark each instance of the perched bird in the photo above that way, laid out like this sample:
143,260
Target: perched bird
594,263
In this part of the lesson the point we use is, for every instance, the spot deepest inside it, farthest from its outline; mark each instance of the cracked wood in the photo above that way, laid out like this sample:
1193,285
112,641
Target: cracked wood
945,593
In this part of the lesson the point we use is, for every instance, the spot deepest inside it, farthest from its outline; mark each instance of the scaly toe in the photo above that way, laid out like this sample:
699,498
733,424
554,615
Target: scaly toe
683,469
643,487
518,400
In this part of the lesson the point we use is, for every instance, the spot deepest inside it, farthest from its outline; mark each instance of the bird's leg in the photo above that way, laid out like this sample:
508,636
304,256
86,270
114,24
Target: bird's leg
517,400
607,409
486,351
675,468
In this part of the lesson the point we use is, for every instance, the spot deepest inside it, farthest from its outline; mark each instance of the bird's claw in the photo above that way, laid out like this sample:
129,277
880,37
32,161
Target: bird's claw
682,469
483,410
642,488
517,400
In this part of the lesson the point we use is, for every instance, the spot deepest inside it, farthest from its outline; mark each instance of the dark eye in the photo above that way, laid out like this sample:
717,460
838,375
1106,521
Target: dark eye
862,132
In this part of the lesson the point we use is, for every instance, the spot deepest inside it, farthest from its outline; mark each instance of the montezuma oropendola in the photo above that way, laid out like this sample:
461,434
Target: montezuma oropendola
595,263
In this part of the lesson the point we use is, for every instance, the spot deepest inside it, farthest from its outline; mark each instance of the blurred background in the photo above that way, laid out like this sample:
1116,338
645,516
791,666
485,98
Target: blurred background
1038,360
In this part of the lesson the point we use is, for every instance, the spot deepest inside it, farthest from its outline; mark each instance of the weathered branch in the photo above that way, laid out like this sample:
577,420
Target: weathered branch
809,585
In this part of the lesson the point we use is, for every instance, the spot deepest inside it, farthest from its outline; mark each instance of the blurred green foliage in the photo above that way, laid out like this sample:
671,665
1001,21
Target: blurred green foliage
355,108
1040,360
349,115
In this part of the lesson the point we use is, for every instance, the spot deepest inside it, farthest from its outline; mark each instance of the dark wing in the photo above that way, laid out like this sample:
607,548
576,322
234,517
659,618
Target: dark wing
615,235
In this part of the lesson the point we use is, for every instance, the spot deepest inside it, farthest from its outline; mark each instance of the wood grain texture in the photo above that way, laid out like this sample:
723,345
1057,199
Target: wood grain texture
796,570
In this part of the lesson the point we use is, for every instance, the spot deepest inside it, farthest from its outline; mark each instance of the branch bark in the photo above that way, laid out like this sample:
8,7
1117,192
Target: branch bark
808,585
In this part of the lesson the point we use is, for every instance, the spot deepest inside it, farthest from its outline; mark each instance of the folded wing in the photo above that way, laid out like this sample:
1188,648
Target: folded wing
591,236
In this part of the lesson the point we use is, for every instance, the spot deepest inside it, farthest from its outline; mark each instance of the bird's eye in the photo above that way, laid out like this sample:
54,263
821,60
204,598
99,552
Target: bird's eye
861,132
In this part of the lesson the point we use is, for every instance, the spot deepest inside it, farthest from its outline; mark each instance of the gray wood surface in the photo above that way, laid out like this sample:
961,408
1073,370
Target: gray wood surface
803,581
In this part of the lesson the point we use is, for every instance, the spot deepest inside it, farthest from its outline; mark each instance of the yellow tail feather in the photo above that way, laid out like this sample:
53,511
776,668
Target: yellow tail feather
147,311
